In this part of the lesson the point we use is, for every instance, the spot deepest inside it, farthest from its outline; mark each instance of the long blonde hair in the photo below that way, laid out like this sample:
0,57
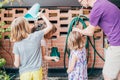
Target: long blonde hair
75,40
19,29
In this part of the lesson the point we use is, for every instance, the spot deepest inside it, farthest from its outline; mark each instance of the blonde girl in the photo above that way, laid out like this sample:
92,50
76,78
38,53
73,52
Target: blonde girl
27,48
77,68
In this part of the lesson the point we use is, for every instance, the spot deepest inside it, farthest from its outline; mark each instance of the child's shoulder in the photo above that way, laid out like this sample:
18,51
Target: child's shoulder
78,51
74,52
16,44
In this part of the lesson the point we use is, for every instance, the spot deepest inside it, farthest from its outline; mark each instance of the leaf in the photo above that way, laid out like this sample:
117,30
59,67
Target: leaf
2,23
6,77
0,36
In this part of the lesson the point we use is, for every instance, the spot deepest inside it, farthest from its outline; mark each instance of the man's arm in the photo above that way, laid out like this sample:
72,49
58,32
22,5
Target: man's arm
89,31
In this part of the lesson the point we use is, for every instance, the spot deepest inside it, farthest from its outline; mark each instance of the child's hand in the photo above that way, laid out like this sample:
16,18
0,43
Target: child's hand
40,13
56,59
68,71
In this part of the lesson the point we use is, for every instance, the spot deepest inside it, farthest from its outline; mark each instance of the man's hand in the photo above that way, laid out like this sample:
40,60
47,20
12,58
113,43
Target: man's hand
76,29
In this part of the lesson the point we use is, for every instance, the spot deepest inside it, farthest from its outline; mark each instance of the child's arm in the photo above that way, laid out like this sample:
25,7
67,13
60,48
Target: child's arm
72,64
46,57
48,23
56,59
17,60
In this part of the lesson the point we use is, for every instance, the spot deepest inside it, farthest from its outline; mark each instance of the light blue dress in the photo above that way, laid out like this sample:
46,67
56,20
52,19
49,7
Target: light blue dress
80,68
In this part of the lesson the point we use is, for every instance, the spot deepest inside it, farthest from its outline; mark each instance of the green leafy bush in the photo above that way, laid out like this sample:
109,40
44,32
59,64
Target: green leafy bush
2,62
2,30
3,75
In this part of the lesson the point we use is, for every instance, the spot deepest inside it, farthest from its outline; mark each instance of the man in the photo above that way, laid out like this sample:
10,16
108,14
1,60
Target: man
106,15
